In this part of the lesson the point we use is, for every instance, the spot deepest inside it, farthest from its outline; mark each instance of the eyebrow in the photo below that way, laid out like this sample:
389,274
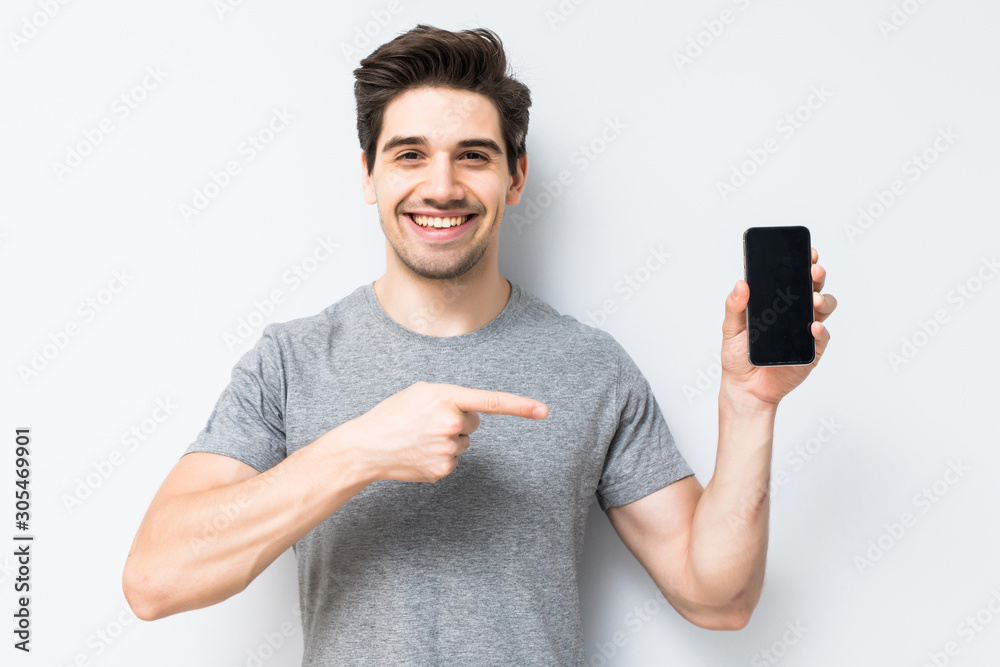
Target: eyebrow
488,144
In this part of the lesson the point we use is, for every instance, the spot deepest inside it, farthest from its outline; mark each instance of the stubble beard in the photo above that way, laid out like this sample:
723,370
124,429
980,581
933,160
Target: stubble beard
431,268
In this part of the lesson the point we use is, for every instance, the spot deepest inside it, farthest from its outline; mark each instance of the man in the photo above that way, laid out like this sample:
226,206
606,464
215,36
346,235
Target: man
430,444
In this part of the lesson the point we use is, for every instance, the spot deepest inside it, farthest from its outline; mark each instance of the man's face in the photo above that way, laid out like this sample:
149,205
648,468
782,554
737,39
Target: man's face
440,160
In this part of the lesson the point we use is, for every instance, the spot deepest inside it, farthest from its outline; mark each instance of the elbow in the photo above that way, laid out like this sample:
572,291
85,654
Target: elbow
721,619
153,593
736,615
141,593
732,616
729,620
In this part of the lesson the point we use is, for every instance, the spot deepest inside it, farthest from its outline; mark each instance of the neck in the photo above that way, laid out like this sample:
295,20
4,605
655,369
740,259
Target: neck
443,307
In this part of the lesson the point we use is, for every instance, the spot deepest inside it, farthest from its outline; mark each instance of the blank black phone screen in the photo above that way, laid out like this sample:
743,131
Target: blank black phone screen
780,311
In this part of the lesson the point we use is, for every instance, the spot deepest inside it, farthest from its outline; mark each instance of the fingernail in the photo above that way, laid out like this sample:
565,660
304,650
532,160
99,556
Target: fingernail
539,412
736,287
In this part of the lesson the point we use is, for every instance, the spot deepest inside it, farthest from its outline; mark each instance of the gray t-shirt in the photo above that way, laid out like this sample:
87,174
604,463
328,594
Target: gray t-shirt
481,567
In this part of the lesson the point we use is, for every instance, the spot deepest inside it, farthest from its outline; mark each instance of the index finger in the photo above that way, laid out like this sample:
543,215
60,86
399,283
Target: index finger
467,399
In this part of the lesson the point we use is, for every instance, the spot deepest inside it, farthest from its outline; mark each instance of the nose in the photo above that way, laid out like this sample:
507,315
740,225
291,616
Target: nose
440,183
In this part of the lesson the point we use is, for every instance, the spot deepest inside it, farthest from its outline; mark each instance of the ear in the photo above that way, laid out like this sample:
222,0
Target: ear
517,181
367,184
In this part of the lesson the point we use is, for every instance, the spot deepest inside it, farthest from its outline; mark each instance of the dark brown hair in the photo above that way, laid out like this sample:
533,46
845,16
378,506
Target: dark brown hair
471,60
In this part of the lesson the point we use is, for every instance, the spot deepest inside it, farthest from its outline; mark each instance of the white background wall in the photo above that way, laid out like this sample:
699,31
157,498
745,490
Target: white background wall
895,74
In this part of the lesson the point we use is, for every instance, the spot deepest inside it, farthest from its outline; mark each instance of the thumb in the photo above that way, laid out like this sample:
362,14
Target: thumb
736,306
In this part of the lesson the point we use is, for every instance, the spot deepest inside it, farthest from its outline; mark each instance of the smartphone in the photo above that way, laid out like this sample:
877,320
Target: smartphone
777,263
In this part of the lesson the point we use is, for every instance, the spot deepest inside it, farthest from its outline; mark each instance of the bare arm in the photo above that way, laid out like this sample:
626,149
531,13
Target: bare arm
729,531
216,523
706,548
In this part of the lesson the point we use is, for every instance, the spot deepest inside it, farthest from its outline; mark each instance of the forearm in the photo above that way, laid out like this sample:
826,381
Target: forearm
728,547
197,549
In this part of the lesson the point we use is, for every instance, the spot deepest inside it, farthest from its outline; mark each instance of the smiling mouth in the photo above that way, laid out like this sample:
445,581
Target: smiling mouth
439,222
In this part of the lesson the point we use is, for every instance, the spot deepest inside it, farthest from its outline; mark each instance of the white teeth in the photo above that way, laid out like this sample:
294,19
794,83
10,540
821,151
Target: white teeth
432,221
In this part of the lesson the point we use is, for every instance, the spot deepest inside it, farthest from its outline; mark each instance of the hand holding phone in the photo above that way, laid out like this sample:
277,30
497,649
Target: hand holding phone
778,270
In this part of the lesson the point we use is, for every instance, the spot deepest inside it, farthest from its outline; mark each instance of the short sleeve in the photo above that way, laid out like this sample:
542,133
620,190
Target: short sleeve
248,421
642,456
